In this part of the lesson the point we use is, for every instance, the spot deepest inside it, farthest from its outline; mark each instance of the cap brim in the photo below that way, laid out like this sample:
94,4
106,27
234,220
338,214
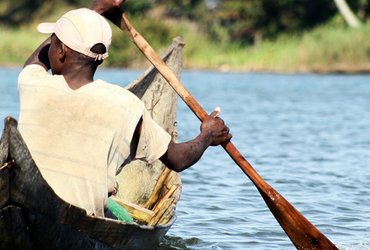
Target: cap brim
46,28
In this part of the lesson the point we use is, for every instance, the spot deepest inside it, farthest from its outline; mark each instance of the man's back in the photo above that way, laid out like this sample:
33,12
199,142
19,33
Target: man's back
78,138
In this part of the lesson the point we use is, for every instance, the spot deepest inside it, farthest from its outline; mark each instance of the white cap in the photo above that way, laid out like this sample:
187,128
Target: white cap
80,30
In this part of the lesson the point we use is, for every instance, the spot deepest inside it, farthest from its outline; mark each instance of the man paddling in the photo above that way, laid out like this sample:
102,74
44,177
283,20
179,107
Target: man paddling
80,131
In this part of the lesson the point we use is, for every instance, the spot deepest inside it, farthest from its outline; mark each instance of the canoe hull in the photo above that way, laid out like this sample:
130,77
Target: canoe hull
32,216
23,229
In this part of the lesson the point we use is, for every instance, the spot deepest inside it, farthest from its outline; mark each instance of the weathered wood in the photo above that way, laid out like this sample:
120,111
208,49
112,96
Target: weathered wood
153,198
4,185
137,212
161,210
26,187
4,164
13,228
168,214
137,179
32,216
167,196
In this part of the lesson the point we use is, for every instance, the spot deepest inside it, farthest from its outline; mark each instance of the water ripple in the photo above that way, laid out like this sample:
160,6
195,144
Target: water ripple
307,135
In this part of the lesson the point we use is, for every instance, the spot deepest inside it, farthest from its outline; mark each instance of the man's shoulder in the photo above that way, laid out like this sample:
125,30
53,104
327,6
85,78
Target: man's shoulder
34,69
115,91
112,87
31,71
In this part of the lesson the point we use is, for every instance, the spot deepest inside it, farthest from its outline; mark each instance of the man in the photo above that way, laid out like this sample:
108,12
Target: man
80,131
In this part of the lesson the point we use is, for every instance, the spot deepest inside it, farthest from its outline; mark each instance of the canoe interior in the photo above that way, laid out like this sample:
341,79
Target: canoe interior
32,216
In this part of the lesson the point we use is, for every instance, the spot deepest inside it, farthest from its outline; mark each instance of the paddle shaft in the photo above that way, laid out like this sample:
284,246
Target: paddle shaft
301,232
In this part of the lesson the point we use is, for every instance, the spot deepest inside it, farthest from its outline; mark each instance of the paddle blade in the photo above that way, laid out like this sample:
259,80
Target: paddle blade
301,232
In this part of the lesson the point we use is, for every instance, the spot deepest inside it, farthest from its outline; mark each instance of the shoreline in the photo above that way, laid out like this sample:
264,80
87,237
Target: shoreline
324,71
324,50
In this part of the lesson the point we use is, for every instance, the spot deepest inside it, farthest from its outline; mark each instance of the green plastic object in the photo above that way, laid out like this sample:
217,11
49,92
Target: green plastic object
119,211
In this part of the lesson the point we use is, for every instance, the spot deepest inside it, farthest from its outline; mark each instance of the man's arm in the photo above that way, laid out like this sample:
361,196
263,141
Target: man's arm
180,156
40,55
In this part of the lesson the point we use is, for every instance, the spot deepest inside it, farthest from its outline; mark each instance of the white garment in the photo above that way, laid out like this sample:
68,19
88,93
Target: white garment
80,138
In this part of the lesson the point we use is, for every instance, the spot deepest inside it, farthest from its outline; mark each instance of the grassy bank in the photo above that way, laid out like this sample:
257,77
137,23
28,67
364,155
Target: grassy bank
16,45
326,48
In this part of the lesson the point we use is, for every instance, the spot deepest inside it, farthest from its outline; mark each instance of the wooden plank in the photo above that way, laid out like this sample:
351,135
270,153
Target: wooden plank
4,185
138,213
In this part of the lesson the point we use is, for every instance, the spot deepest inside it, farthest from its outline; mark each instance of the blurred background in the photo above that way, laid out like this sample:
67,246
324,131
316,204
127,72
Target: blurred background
307,134
241,35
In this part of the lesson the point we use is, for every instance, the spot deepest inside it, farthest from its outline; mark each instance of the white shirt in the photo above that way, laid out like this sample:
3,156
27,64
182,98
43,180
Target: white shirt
80,138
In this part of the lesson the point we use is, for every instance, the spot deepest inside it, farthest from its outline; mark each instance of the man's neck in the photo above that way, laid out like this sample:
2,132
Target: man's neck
76,77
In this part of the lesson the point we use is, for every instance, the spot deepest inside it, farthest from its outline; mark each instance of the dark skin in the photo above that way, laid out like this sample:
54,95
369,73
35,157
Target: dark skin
53,54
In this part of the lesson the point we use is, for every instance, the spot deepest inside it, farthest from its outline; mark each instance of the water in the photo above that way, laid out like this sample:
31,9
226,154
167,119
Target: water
307,135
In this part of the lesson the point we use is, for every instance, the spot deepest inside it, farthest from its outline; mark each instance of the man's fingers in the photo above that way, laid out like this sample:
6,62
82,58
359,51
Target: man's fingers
216,112
118,3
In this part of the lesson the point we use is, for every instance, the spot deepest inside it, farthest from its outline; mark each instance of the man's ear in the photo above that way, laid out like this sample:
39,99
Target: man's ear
63,50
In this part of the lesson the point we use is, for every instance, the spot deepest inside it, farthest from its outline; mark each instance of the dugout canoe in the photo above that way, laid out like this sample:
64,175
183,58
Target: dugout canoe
32,216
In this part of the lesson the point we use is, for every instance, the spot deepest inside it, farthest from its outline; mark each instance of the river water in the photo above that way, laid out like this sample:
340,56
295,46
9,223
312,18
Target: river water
307,135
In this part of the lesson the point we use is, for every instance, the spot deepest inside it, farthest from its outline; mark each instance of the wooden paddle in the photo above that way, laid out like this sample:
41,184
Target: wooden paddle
301,232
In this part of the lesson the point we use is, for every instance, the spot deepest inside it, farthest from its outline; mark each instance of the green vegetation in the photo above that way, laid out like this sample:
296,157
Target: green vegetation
326,48
242,35
17,45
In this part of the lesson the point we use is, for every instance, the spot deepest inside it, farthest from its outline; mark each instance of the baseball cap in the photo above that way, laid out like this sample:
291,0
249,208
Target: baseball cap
80,30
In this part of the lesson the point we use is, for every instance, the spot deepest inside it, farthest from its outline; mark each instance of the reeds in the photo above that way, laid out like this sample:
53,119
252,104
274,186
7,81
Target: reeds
324,49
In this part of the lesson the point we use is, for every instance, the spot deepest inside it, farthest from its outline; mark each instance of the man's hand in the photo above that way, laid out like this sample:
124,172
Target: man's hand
180,156
107,7
110,9
214,130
